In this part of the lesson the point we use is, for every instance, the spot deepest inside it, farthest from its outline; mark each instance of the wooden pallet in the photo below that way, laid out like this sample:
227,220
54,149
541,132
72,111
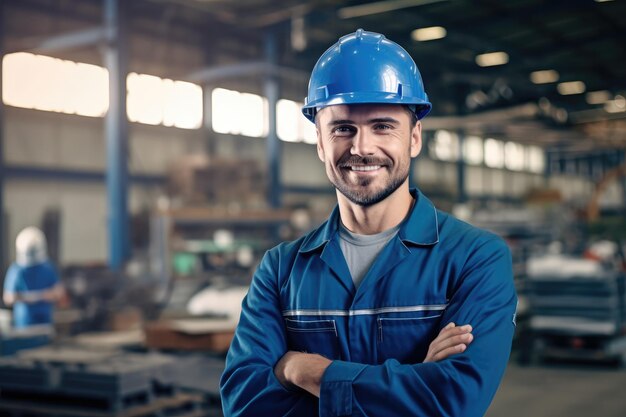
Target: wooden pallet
178,405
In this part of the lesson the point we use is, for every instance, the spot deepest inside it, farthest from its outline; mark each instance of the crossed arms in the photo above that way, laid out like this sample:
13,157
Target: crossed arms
305,370
52,295
459,377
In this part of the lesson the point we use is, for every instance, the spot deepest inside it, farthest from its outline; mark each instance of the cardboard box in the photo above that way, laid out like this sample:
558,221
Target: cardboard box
197,179
212,335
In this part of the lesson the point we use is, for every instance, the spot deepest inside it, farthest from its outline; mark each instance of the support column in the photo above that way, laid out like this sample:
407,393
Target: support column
4,239
547,168
273,147
210,146
622,181
116,132
460,170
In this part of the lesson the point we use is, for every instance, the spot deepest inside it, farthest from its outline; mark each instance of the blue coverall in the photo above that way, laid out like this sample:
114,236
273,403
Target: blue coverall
436,270
38,277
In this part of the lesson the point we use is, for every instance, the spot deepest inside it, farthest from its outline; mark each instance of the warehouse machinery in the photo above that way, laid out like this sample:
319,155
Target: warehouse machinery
576,310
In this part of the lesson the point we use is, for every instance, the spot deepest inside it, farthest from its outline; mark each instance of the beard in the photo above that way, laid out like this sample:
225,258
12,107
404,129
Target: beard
358,191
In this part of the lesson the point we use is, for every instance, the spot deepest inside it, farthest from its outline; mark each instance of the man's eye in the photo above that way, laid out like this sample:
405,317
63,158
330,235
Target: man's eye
342,130
382,126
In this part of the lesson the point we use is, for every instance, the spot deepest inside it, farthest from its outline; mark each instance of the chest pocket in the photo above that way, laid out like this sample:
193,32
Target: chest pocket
313,336
406,339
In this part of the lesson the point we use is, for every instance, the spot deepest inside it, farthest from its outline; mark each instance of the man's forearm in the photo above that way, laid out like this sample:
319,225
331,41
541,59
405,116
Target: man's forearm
303,370
30,297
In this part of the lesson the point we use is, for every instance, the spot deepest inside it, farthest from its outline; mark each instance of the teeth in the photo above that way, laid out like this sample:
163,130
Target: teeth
365,168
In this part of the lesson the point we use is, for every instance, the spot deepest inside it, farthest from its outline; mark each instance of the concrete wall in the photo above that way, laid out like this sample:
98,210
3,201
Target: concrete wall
52,141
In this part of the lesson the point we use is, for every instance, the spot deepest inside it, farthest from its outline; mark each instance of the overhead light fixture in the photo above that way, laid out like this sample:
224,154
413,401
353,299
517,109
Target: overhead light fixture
617,105
380,7
598,97
544,76
428,34
298,33
603,1
571,87
492,58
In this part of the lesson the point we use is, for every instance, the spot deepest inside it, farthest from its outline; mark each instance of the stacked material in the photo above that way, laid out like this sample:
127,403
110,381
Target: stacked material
198,179
68,381
577,309
14,340
191,334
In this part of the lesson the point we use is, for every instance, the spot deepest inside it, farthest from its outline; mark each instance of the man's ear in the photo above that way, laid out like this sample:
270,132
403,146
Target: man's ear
416,140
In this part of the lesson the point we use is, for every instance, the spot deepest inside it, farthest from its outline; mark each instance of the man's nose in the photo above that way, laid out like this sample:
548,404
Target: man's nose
362,143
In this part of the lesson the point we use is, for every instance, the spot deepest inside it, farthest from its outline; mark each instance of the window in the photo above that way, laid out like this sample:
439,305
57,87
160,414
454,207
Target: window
291,125
535,159
286,123
473,150
514,156
238,113
445,146
50,84
154,101
494,153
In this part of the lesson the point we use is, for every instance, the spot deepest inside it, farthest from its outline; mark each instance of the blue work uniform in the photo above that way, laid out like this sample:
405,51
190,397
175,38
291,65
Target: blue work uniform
436,270
39,277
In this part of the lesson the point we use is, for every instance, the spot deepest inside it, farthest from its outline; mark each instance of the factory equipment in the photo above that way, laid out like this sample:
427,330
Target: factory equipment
576,310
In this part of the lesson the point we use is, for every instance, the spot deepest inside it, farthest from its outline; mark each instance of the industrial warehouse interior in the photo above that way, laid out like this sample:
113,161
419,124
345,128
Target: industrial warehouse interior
153,151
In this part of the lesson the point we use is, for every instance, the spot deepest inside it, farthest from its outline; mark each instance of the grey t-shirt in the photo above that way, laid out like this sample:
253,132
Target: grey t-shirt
361,251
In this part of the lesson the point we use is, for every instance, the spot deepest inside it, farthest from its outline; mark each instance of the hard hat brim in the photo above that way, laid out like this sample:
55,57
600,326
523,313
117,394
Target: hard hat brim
309,110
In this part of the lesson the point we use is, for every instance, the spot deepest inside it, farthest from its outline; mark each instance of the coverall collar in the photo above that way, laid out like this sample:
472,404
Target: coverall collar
420,228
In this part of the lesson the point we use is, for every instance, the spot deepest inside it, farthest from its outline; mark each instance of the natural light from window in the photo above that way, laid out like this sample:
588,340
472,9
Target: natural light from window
514,156
535,159
445,146
50,84
155,101
473,150
291,125
494,153
238,113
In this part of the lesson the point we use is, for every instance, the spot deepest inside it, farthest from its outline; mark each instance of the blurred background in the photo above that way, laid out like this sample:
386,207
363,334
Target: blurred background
159,148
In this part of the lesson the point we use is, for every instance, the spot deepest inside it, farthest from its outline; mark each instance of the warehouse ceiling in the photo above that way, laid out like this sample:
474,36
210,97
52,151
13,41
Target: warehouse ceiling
580,42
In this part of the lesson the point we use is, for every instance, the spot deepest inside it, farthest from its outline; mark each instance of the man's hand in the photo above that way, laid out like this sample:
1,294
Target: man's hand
304,370
452,339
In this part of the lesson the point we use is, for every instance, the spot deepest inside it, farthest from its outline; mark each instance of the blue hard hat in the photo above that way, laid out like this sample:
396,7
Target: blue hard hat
365,67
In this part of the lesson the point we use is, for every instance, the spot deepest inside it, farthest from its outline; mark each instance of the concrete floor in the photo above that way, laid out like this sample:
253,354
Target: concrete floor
561,390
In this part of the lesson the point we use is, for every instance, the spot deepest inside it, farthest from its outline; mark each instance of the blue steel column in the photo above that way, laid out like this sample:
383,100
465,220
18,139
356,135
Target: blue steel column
3,238
116,131
460,170
273,146
547,167
622,180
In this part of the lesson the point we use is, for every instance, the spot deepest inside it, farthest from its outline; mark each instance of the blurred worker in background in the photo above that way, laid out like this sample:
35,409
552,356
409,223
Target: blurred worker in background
31,284
391,307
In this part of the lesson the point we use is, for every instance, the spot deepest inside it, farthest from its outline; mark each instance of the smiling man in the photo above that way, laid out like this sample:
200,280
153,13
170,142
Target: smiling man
391,307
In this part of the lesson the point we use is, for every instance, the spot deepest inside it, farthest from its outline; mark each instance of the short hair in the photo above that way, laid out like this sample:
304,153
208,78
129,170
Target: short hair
412,115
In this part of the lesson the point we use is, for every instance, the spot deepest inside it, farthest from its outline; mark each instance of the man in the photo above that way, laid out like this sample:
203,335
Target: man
31,284
391,307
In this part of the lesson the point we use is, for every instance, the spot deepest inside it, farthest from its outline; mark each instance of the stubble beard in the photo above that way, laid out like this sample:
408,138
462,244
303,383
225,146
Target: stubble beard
358,193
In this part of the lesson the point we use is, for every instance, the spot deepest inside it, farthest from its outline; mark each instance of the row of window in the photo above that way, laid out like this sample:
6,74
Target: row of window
446,146
51,84
237,113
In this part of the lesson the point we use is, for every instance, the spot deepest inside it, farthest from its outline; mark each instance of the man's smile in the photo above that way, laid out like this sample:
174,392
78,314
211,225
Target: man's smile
365,168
